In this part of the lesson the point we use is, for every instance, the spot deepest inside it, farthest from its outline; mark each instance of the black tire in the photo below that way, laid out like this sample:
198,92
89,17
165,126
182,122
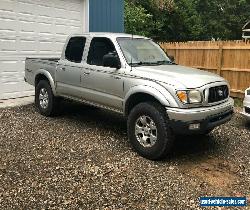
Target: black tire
165,137
209,131
51,109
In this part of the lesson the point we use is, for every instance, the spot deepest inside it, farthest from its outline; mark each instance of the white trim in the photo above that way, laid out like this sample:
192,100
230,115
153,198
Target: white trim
86,15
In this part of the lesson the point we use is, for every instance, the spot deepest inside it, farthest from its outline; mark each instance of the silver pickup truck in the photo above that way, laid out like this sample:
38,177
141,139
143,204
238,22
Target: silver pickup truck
132,75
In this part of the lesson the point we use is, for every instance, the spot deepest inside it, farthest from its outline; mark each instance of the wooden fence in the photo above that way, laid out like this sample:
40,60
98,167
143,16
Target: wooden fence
230,59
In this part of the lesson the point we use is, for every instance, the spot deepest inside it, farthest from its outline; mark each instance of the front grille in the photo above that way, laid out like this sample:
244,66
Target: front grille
247,110
218,93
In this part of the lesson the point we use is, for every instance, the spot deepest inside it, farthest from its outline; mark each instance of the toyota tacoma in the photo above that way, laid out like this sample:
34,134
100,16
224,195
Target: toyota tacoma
133,76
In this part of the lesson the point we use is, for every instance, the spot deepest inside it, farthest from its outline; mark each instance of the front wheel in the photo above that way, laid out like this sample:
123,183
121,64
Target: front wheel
45,100
149,131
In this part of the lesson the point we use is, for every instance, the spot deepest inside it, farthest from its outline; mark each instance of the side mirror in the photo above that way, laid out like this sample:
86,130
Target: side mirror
111,60
171,57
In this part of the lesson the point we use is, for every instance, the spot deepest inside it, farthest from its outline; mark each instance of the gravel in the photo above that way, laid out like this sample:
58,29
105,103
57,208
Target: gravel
83,160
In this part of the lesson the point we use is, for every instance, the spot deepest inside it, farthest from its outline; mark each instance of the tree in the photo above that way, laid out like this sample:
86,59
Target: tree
137,19
223,19
144,16
182,23
183,20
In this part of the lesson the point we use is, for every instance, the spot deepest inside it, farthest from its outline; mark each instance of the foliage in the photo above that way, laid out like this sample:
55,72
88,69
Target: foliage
183,20
138,20
223,19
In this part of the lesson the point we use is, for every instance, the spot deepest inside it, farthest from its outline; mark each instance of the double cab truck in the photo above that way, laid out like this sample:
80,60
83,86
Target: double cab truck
133,76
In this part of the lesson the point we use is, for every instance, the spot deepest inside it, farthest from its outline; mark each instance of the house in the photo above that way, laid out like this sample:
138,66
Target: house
38,28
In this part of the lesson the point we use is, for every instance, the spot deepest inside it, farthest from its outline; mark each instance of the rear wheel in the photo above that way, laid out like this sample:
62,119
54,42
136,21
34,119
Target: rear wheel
45,100
149,131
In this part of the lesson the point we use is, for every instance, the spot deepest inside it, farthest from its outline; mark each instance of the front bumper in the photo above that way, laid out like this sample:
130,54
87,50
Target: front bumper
246,104
207,117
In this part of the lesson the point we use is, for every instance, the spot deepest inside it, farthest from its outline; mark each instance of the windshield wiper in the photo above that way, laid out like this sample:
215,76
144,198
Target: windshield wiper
143,63
152,63
165,62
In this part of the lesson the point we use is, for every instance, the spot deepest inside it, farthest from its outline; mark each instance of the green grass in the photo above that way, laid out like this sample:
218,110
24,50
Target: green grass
238,102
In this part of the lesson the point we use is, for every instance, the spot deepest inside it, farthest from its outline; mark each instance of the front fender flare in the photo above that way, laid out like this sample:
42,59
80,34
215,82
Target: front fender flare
163,96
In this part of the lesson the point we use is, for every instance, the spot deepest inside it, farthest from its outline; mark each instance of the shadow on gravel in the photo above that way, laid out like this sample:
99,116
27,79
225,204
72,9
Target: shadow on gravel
240,122
247,125
93,116
196,146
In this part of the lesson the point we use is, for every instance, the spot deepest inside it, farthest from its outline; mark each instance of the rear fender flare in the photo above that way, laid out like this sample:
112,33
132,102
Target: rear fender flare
49,77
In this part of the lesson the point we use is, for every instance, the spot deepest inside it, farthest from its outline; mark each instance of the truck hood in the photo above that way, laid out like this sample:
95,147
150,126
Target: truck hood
177,75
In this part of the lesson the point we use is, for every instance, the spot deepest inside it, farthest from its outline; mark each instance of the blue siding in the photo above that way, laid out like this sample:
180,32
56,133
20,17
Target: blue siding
106,15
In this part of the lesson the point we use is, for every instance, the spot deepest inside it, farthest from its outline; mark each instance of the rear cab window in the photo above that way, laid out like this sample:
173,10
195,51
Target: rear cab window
75,48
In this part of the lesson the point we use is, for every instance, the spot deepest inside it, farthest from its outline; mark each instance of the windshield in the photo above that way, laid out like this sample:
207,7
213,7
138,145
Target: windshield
142,52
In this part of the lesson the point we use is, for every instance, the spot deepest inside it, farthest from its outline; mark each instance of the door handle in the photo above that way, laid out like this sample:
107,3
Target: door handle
116,77
63,68
86,73
89,69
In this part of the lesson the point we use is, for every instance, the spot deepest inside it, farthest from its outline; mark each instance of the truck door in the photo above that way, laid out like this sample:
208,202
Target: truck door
70,67
103,85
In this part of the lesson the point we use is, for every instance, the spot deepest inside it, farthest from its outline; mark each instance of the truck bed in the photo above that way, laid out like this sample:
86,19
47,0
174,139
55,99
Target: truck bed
43,59
32,65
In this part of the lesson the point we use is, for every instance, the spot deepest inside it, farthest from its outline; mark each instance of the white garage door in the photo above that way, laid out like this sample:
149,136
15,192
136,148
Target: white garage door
33,28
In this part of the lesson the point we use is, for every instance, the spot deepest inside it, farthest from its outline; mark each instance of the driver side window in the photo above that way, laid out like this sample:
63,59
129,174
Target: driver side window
99,47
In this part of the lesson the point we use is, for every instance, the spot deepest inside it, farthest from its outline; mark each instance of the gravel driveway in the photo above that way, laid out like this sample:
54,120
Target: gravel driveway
82,160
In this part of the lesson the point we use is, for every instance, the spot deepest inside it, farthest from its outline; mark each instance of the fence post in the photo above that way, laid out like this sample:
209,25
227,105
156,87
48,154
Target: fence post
220,58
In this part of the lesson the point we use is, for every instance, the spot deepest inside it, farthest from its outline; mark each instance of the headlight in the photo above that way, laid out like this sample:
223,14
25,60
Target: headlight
194,96
189,96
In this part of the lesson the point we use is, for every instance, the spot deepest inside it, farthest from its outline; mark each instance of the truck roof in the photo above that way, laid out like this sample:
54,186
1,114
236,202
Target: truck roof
108,34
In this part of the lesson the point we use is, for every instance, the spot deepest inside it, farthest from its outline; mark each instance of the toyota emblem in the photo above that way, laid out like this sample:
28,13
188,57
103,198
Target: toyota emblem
220,92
